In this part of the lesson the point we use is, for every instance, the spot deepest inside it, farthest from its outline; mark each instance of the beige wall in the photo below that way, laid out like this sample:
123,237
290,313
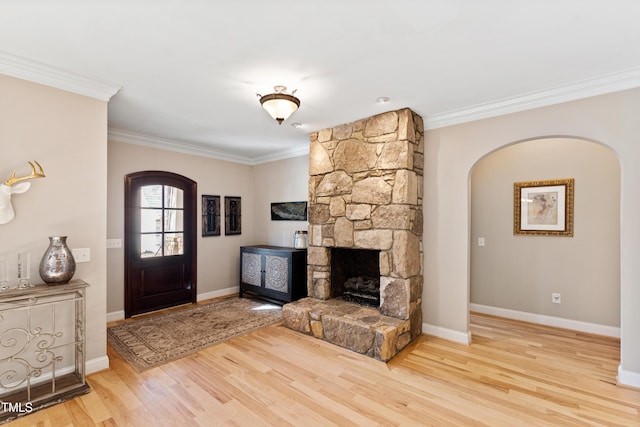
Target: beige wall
218,256
281,181
451,153
67,134
520,272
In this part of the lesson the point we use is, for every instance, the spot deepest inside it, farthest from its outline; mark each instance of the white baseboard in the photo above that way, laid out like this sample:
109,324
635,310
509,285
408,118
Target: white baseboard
96,365
447,334
628,378
218,293
116,315
558,322
119,315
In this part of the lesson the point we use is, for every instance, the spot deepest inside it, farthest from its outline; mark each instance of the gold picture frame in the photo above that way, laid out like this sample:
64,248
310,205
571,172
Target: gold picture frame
543,208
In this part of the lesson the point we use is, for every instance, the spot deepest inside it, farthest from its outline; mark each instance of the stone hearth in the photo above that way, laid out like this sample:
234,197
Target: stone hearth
365,192
358,328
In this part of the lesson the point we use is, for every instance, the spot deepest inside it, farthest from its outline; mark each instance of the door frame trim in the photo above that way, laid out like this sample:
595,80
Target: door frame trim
193,246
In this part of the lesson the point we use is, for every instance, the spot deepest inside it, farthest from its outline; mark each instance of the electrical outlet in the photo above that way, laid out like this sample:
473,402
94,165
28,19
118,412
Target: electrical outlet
556,298
81,255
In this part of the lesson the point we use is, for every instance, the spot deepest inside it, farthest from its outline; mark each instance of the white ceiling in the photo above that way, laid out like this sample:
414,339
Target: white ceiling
189,71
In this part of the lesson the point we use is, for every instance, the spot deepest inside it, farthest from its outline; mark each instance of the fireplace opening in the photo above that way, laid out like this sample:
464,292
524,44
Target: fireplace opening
362,290
355,275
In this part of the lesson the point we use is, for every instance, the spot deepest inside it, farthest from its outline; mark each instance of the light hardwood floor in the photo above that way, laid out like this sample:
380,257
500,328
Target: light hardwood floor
513,374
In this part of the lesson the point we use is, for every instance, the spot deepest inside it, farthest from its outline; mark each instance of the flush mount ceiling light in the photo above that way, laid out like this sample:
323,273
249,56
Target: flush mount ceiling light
279,104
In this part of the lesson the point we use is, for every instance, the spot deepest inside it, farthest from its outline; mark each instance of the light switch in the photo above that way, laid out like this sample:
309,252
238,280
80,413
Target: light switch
114,243
81,255
480,241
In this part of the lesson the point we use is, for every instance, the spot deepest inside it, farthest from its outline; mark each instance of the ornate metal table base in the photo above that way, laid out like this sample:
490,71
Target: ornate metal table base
42,347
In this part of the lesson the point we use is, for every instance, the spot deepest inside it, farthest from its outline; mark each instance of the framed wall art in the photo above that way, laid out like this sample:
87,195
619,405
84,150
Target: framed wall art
210,215
543,208
232,215
289,211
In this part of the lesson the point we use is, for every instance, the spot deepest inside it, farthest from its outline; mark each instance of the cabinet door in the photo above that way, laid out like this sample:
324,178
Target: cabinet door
251,271
277,273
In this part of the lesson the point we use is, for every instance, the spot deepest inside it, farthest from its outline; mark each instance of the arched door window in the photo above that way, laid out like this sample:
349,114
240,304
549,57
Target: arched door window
161,221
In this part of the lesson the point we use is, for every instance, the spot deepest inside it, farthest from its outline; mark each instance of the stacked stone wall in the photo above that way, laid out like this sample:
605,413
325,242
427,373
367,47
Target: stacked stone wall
365,192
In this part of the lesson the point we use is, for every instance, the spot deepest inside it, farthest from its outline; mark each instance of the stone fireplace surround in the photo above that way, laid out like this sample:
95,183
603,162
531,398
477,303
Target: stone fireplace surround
365,192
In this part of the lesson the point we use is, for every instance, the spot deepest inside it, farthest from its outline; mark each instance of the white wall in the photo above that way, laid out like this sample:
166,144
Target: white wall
67,134
450,154
520,272
218,256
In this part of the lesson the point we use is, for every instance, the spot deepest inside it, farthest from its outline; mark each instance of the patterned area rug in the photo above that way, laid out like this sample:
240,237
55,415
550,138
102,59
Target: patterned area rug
153,341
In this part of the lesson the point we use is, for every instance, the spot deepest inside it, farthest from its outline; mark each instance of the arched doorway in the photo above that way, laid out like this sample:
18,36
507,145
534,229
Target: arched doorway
515,276
160,241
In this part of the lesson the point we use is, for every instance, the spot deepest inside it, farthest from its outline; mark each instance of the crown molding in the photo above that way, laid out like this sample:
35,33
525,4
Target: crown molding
135,138
609,83
129,137
282,155
38,72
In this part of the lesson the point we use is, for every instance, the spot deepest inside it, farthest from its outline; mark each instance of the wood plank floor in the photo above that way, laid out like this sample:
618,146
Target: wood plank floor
513,374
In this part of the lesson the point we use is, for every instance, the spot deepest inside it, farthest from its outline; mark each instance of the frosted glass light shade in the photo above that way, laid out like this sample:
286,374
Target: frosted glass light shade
280,106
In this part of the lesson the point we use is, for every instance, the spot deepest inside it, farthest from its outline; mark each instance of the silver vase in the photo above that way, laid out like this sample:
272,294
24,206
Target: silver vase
57,265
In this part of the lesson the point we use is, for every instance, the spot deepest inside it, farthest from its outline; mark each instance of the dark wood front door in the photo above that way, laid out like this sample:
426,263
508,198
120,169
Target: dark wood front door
160,241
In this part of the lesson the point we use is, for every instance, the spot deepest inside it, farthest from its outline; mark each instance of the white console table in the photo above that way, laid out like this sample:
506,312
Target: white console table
42,347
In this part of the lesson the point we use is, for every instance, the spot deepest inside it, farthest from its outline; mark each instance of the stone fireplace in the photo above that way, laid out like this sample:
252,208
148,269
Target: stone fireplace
365,209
